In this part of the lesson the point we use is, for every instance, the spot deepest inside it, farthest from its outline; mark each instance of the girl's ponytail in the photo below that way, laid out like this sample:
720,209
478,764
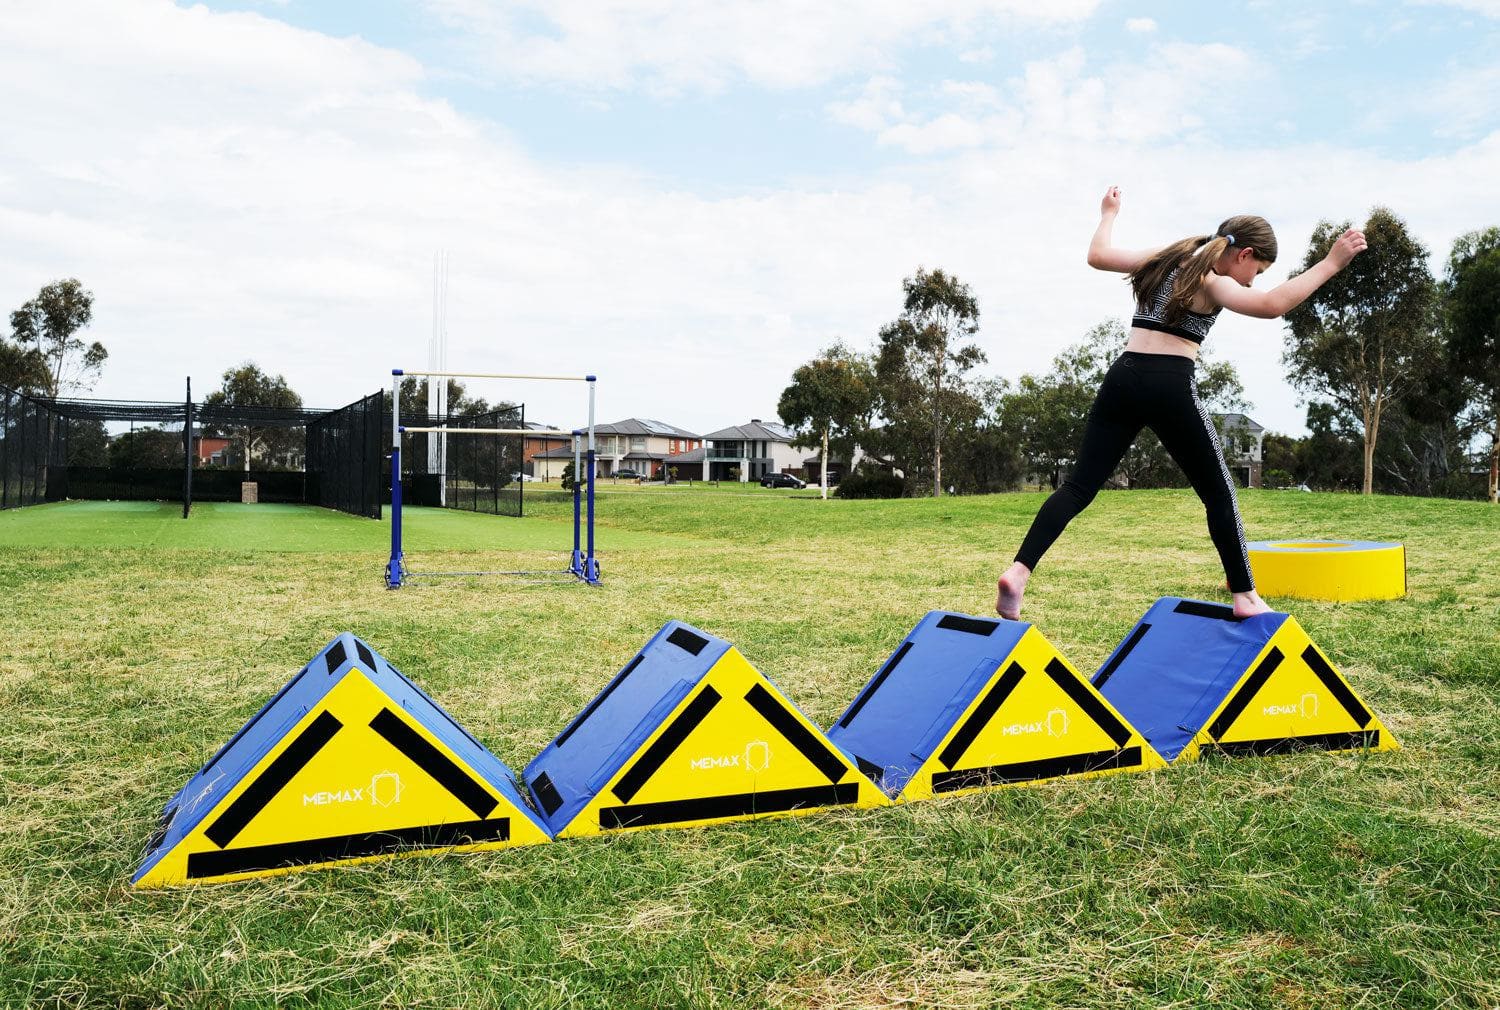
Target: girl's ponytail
1193,258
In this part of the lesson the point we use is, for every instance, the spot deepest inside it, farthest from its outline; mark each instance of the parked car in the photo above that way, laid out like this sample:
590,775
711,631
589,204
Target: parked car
628,474
524,478
782,480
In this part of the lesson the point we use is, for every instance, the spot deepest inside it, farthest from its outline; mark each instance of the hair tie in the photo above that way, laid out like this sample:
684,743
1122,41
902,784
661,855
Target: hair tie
1230,238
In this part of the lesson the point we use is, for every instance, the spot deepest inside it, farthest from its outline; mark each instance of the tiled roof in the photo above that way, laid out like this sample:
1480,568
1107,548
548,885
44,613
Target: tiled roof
768,431
644,426
1237,420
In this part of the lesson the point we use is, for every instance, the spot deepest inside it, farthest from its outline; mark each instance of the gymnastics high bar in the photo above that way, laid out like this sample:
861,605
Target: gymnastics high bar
498,375
583,564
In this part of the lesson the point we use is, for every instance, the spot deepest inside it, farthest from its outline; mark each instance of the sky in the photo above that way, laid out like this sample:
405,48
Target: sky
689,198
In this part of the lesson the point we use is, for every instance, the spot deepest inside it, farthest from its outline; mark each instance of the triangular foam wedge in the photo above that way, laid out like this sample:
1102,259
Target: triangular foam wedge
1194,678
689,733
968,703
350,761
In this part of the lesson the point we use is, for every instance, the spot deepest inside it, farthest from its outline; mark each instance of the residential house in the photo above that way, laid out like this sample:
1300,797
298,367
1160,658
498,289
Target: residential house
534,445
1242,439
638,444
212,451
750,450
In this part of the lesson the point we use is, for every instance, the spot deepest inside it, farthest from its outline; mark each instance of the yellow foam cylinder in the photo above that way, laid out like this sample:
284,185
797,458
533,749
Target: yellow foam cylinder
1329,569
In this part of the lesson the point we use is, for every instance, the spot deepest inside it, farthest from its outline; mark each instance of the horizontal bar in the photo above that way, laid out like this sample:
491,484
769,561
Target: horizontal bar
496,375
491,431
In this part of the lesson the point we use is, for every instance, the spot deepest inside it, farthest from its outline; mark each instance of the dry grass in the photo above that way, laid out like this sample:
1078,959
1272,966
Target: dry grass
1318,880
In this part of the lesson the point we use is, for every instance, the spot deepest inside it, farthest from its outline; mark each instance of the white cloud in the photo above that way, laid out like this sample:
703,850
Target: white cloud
1489,8
230,187
1140,26
674,46
1148,100
877,105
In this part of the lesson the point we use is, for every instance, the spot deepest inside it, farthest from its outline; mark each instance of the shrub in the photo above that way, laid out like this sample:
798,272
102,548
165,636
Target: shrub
867,482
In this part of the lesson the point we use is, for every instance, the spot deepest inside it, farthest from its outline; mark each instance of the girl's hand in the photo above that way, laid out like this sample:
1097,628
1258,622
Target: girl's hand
1111,202
1349,245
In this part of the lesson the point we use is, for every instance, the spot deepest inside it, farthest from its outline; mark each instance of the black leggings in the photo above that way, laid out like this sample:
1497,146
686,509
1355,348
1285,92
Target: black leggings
1154,391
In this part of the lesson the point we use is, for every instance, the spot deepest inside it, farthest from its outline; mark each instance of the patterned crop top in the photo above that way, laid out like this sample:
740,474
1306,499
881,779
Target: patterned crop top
1192,326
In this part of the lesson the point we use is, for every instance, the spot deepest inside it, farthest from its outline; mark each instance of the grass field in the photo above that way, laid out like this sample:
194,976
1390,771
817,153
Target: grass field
135,642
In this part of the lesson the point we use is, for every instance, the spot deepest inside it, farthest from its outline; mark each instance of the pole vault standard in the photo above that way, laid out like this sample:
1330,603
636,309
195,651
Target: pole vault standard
582,564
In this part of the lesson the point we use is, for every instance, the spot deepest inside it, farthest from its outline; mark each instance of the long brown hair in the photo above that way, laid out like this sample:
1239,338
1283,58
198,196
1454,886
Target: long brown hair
1194,257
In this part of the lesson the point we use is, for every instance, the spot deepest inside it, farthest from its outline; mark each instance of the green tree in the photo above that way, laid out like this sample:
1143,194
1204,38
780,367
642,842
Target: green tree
920,370
983,456
1046,414
829,402
248,386
1278,459
1471,302
1330,457
88,443
145,449
22,368
1362,340
47,326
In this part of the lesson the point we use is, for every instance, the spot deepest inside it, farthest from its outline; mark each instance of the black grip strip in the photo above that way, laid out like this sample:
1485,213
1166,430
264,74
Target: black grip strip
1335,684
1119,657
1030,771
365,655
201,865
1086,698
869,692
1359,740
869,769
1253,683
968,625
983,713
644,815
832,765
686,640
434,762
1217,611
671,738
336,656
546,793
271,781
579,720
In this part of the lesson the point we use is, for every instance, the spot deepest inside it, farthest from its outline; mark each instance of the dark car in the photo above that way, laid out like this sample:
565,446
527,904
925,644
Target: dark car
627,473
782,480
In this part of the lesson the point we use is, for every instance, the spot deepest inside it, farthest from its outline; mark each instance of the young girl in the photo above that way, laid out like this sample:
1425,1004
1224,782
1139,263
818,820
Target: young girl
1179,291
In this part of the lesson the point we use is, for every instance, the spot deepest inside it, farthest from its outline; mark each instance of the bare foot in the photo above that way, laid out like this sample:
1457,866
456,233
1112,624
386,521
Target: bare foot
1012,587
1249,604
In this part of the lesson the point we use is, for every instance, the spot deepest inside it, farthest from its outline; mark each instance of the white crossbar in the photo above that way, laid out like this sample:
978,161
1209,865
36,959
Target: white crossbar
490,431
496,375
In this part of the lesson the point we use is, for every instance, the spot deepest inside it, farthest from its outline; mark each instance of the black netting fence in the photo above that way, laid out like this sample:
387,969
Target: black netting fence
33,451
476,473
132,450
343,458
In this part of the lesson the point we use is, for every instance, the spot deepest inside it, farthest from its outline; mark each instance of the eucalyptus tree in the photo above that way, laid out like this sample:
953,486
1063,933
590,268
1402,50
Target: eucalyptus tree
921,366
829,401
1366,338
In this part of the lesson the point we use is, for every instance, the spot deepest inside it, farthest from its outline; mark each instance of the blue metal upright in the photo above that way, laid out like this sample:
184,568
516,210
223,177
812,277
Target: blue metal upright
591,563
393,567
576,562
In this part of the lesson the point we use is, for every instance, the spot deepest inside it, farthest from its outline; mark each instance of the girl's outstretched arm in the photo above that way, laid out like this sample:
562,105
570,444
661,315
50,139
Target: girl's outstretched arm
1291,293
1102,253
